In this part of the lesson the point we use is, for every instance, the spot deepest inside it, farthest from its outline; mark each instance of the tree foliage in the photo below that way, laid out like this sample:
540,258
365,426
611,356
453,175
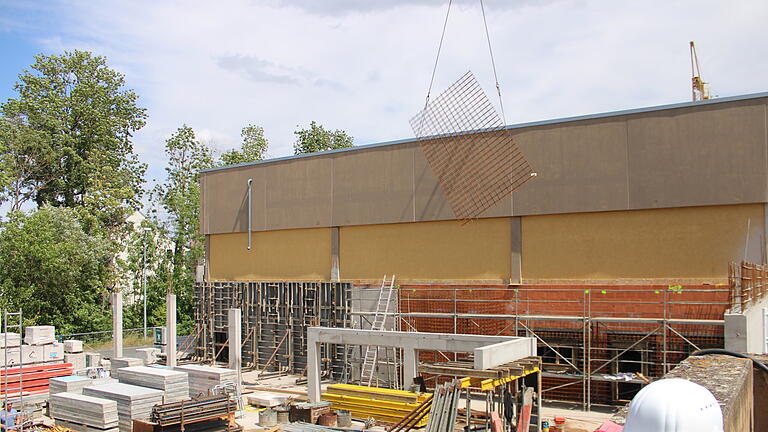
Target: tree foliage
26,162
53,269
180,198
316,139
82,121
253,147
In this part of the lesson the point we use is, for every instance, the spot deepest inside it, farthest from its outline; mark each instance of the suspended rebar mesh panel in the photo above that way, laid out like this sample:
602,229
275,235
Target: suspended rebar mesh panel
472,154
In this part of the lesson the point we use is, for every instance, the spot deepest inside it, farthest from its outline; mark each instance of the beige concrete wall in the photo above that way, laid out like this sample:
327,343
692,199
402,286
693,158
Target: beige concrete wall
713,153
684,243
303,254
479,250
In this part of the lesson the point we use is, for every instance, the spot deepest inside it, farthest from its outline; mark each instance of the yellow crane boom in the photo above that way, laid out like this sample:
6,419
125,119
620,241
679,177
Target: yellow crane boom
700,89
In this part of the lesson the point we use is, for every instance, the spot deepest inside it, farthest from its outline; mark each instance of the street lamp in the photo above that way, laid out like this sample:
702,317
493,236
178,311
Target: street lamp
144,278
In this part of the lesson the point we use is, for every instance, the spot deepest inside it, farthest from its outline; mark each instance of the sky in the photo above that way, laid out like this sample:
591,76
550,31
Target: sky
365,66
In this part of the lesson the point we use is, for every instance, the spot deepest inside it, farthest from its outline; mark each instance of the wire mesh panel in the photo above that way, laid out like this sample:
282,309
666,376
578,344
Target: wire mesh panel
472,154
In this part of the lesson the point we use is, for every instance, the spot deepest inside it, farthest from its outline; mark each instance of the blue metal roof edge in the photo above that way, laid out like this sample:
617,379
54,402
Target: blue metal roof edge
514,126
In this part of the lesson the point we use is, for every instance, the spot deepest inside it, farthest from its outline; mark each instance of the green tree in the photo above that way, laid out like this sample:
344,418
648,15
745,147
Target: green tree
54,270
316,139
26,162
85,118
180,198
252,148
145,245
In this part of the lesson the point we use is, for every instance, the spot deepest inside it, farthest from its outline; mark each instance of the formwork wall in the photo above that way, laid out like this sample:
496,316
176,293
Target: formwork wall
275,320
596,331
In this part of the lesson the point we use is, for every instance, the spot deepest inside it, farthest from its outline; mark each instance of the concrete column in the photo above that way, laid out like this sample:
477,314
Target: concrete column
235,336
170,328
117,324
335,271
313,371
410,367
516,272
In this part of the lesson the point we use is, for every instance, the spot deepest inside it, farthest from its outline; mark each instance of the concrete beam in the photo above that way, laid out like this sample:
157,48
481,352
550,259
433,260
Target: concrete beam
170,328
501,353
490,349
117,324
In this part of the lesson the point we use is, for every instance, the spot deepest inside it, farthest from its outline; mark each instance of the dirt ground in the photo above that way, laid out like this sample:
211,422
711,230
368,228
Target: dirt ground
577,420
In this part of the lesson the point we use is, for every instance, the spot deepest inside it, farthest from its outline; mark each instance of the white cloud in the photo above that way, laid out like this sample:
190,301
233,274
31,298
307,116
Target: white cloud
364,66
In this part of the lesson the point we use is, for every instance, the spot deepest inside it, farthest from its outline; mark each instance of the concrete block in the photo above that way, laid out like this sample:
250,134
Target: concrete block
14,339
73,346
32,353
148,355
39,335
76,359
92,359
54,351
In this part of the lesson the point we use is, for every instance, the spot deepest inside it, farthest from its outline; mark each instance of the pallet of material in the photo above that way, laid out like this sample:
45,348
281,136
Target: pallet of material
87,412
385,405
202,379
10,340
173,383
132,401
31,379
69,384
39,335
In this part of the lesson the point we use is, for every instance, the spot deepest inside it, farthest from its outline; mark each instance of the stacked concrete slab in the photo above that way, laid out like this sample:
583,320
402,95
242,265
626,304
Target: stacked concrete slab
203,379
132,401
173,383
116,364
84,413
69,384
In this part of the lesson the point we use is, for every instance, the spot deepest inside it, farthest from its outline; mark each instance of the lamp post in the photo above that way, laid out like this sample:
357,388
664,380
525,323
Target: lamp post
144,278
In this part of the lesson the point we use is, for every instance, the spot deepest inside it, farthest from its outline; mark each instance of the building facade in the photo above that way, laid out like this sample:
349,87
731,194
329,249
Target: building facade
632,215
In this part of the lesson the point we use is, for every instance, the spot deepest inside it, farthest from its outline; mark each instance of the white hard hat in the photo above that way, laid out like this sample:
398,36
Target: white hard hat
674,405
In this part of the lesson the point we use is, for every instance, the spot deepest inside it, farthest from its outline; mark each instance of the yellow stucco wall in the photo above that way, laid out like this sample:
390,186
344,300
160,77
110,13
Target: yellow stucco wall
691,242
479,250
302,254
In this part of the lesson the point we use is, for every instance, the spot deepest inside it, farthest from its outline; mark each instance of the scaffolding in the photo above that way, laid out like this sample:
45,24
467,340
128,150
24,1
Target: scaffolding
599,344
275,320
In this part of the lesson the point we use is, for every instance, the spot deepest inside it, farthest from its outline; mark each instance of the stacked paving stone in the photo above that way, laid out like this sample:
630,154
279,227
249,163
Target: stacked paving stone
84,413
122,362
132,401
69,384
203,379
173,383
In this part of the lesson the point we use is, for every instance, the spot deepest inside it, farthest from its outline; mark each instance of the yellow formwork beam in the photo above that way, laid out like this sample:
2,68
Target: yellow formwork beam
491,383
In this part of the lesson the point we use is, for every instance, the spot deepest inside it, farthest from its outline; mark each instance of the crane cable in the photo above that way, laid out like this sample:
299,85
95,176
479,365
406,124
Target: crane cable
493,63
439,48
490,51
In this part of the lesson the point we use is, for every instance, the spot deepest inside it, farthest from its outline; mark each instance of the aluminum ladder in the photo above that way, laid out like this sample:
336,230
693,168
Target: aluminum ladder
7,359
379,319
